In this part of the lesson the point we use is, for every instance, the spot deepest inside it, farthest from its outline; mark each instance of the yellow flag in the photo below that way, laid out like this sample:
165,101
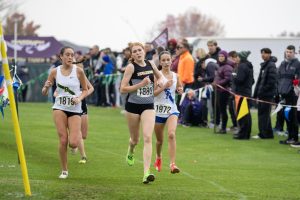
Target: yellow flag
243,109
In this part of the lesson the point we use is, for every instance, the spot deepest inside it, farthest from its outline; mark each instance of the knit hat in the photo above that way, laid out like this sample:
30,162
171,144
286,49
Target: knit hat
172,42
224,53
244,54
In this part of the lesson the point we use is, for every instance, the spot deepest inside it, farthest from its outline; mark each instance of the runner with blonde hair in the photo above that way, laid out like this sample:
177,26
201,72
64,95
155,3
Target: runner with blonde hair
138,82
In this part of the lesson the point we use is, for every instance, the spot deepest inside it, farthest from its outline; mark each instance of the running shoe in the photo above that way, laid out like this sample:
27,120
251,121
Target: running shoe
83,160
174,168
157,164
296,145
63,175
130,159
148,177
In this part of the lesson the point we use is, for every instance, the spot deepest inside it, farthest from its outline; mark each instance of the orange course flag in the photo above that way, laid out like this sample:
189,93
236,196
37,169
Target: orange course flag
244,110
237,100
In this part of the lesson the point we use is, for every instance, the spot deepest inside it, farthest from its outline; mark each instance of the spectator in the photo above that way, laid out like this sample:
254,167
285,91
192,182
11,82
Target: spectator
213,49
55,62
175,60
288,70
191,110
95,60
186,65
199,72
265,89
149,51
107,87
172,44
95,63
297,92
127,55
243,81
210,67
155,57
232,60
223,78
23,74
125,62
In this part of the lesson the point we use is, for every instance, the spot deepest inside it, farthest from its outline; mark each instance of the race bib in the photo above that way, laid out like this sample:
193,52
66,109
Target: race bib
146,91
65,101
162,108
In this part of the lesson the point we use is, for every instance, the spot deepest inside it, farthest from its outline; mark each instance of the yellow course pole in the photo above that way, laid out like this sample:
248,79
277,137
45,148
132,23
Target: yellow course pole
14,114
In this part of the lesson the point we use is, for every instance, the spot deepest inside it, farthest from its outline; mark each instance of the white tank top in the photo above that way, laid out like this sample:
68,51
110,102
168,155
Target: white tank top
67,88
164,103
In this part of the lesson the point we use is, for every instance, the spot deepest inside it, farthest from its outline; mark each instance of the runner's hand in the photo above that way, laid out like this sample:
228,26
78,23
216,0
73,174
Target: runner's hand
180,90
48,84
146,81
169,83
76,100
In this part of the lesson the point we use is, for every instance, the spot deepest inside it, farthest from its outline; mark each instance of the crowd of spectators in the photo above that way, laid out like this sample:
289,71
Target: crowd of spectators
205,104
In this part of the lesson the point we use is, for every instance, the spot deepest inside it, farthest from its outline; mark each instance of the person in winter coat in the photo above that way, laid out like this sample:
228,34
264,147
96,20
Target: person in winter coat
213,49
243,81
288,71
265,89
210,67
232,61
191,110
223,78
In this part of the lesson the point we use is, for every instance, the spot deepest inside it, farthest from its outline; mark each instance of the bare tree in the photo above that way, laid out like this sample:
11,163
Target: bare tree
28,29
7,7
191,23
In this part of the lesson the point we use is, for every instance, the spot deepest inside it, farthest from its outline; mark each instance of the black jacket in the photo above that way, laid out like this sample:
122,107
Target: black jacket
244,80
216,54
286,73
199,71
266,84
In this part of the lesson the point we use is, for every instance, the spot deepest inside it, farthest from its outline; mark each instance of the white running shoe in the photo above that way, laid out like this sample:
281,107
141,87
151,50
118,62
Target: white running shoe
63,175
256,137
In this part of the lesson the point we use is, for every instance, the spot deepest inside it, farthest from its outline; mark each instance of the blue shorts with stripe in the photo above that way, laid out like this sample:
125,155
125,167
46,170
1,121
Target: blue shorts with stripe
162,120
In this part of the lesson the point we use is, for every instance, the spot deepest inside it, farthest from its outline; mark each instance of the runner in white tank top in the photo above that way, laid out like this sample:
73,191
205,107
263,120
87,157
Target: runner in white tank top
164,102
67,88
67,107
166,112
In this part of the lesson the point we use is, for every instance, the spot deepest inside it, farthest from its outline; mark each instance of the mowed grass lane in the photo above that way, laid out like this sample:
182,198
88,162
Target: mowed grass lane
212,166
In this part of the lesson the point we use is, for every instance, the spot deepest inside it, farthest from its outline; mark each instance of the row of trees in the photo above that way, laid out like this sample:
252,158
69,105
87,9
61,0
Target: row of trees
189,24
8,10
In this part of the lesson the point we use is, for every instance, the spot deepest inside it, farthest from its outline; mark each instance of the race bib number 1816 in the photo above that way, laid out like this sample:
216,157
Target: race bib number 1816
65,101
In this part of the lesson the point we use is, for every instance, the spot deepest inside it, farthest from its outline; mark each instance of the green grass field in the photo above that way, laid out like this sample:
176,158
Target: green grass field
212,166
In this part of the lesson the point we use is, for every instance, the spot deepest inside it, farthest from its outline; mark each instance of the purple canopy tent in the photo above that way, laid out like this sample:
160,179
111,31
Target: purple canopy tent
33,46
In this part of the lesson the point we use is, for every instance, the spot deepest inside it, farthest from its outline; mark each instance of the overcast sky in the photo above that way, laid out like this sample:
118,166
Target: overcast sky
113,23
